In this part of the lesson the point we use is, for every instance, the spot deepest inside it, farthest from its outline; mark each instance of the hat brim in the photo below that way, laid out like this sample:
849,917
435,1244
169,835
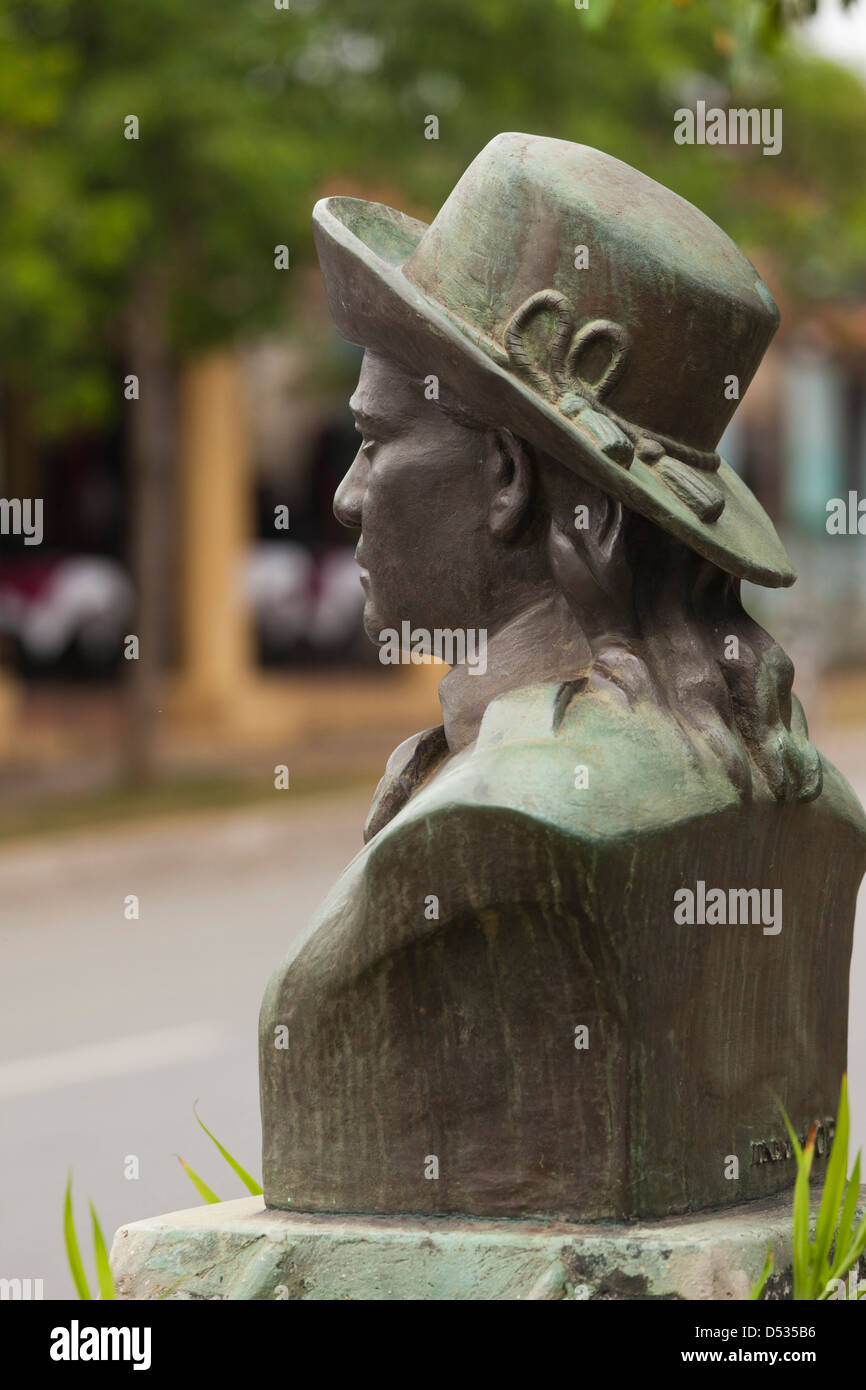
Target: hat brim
362,249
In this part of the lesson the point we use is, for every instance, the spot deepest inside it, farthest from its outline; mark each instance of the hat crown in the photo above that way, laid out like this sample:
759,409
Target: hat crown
569,298
534,214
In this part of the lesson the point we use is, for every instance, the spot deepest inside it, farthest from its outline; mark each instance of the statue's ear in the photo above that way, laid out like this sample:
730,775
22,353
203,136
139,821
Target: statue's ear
511,473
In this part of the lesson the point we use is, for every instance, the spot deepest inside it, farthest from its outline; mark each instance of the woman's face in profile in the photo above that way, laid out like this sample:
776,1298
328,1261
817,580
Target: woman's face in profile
419,490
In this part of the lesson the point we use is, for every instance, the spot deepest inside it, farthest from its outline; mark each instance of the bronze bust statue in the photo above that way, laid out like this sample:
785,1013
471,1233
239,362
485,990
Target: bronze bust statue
603,916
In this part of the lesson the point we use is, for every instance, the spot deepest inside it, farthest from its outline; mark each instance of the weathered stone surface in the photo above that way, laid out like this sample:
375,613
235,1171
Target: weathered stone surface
240,1250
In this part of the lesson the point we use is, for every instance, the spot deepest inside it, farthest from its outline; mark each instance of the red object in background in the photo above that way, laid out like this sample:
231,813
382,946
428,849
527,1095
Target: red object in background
82,605
77,603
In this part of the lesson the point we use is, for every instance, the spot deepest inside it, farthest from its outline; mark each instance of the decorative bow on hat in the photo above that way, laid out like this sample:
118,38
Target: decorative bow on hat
557,363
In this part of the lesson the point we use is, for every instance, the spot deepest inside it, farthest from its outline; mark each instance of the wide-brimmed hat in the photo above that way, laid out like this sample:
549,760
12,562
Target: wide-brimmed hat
588,309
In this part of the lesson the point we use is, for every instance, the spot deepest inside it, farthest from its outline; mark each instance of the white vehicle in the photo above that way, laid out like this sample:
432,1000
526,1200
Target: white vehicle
80,605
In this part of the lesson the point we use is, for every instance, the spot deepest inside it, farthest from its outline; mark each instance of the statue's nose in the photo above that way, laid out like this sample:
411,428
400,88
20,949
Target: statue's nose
349,497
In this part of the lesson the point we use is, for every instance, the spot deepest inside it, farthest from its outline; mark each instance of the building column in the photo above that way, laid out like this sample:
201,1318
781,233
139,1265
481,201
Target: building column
9,703
216,667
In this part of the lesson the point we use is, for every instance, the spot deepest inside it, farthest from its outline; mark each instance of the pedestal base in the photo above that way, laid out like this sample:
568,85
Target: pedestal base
240,1250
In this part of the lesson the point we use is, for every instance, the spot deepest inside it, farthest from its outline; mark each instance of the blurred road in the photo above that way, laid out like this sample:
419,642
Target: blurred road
111,1028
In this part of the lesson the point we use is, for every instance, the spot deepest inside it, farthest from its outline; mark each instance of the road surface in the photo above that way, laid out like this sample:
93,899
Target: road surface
111,1028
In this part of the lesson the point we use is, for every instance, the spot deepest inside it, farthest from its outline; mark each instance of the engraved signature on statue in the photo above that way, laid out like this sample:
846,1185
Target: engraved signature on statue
775,1150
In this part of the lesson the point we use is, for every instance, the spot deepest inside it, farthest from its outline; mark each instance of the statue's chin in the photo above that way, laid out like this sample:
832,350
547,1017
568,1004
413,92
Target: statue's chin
372,623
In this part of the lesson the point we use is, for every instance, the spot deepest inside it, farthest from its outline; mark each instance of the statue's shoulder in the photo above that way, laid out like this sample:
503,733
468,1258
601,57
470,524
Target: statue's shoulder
581,760
839,796
590,762
564,778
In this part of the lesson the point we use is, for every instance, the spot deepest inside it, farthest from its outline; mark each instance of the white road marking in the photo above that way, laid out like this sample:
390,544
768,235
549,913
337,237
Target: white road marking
114,1057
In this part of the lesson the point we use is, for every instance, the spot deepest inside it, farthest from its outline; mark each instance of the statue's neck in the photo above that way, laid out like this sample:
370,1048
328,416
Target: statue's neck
542,643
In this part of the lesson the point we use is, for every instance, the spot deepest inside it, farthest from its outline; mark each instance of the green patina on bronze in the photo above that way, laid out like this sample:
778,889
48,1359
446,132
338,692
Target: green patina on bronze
456,1037
633,733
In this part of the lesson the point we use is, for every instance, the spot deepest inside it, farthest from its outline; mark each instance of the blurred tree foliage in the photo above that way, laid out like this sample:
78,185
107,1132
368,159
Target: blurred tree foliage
247,112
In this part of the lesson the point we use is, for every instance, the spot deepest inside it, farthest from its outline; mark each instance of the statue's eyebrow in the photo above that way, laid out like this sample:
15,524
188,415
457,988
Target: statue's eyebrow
362,418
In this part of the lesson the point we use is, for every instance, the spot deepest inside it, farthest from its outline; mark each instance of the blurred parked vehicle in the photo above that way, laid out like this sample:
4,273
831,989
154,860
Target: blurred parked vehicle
72,613
73,610
306,604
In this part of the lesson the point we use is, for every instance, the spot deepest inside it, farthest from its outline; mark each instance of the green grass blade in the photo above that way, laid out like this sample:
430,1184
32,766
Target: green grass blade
834,1187
802,1282
851,1257
761,1282
198,1183
846,1220
73,1254
248,1181
103,1268
857,1246
798,1152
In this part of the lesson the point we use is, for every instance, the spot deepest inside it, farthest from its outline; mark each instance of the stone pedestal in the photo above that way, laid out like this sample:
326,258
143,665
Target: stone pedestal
240,1250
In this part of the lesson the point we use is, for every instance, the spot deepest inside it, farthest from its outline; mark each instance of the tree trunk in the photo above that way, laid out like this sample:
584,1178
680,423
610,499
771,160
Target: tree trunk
152,442
21,463
19,477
